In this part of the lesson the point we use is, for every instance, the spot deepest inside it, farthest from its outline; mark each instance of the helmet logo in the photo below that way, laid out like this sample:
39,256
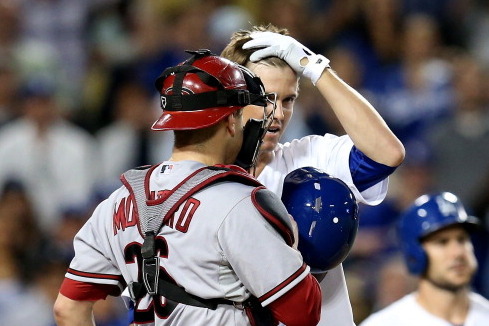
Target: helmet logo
163,101
447,208
318,205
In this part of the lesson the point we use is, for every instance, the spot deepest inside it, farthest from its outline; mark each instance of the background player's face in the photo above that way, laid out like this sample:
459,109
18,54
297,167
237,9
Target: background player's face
451,258
284,82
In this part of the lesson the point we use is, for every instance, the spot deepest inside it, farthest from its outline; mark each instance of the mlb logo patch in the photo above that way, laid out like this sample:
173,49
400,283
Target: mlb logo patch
166,169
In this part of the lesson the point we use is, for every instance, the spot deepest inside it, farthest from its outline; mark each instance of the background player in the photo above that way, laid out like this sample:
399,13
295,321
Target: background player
363,158
210,251
435,240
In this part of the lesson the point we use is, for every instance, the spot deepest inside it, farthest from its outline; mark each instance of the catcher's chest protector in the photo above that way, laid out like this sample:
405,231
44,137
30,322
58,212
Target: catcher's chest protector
153,214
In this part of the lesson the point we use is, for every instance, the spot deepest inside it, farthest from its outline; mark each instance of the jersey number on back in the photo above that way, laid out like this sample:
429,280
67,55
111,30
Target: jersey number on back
162,308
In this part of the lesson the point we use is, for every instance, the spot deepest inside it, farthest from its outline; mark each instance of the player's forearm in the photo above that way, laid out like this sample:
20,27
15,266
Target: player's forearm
361,121
69,312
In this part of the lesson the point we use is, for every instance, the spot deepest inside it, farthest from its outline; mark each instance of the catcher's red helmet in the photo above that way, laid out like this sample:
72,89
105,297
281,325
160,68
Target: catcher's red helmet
203,90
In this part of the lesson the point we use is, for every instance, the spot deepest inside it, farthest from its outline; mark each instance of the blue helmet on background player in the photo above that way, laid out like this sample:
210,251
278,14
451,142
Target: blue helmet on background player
326,213
429,213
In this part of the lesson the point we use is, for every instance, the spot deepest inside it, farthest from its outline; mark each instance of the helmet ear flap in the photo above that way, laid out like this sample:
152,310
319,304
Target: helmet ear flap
415,258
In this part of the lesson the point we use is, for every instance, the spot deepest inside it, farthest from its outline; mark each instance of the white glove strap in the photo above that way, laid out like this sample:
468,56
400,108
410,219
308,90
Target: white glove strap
315,67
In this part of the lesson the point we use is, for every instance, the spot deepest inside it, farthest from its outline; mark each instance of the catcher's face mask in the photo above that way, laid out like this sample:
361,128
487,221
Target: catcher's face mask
254,131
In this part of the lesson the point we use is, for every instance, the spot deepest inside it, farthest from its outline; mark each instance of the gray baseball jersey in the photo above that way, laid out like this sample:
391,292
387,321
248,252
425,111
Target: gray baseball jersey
217,245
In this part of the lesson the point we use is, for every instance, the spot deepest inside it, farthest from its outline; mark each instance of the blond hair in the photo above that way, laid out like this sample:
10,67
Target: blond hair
234,50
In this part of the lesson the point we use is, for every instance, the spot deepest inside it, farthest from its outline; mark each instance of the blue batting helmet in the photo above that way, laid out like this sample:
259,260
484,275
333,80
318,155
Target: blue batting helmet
326,213
428,214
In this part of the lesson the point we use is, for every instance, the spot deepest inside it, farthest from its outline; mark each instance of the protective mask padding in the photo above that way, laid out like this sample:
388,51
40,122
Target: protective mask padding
255,129
253,133
255,87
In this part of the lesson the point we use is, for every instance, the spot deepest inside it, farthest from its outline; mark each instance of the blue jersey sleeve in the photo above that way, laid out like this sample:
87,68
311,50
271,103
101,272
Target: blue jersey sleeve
365,172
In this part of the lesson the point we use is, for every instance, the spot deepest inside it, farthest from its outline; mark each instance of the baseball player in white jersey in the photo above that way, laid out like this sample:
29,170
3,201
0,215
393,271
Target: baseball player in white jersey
364,158
435,240
195,242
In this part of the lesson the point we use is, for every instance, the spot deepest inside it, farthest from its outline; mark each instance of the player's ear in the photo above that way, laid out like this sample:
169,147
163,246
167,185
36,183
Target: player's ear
231,122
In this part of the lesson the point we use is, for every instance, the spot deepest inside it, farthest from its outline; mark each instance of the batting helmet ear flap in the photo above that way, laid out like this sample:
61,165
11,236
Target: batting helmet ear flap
415,257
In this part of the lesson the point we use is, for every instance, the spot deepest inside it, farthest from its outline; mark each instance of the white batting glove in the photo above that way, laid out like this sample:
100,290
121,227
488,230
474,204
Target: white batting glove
269,44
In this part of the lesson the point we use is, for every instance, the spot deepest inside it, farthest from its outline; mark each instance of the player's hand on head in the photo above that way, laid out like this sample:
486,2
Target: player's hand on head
269,44
300,58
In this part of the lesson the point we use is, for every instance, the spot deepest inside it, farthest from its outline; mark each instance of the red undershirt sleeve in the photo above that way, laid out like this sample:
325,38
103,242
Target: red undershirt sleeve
301,306
82,291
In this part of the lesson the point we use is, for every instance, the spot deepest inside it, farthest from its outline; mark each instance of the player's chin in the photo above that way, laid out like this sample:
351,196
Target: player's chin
269,143
460,283
461,278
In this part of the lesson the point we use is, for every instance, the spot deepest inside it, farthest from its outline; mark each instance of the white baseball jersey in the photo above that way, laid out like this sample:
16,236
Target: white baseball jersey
407,312
331,154
217,245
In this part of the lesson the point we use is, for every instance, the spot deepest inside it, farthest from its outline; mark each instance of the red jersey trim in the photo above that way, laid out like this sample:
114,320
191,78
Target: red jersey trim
81,291
282,285
117,278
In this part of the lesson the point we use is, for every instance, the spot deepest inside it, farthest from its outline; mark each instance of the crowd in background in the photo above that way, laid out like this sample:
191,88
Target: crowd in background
77,99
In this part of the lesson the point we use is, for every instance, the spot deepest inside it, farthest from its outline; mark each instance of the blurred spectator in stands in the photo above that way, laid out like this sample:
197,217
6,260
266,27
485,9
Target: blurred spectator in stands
414,177
460,144
9,27
292,14
223,22
50,156
449,16
393,282
390,282
8,91
9,21
477,22
20,253
128,141
416,93
318,119
137,46
163,30
60,25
